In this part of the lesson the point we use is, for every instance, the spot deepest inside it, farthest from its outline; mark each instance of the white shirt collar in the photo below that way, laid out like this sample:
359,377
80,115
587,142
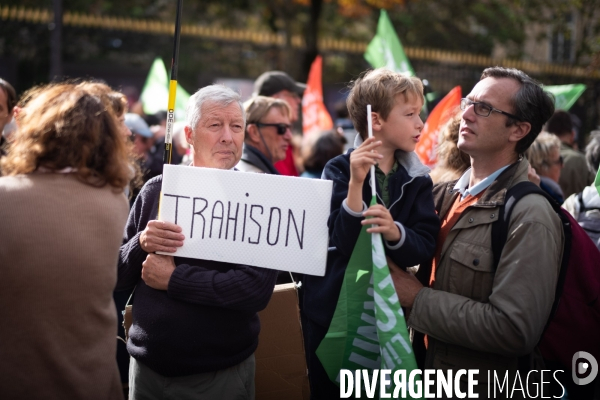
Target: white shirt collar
462,185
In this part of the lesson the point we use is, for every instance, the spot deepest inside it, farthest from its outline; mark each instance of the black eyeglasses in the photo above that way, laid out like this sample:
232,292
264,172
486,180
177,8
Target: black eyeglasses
281,128
484,110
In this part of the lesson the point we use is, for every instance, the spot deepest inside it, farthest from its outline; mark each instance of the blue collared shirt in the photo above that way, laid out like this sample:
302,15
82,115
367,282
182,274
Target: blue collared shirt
462,185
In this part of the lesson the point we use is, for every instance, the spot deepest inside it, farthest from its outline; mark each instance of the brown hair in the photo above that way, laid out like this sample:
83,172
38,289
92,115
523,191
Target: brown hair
379,88
448,150
259,106
116,100
63,125
560,123
330,144
452,162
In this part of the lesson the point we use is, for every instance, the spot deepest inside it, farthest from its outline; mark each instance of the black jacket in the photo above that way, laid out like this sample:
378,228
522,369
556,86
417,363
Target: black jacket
253,156
411,205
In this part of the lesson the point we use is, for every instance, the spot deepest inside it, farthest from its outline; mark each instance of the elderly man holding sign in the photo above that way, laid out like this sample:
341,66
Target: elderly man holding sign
195,324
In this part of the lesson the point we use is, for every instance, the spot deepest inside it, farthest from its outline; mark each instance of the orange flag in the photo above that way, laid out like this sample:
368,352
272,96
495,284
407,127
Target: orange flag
314,114
442,113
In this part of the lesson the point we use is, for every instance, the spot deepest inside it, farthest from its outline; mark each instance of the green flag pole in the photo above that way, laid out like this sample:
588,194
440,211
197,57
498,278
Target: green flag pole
173,87
172,91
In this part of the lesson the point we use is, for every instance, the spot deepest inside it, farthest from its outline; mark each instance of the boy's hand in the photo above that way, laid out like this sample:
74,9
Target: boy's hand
386,225
362,159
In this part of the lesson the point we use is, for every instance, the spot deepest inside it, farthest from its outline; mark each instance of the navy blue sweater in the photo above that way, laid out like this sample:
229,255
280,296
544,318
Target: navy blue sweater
411,205
207,318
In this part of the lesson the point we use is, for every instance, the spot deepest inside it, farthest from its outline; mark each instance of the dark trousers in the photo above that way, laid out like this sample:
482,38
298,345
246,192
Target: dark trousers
321,387
120,299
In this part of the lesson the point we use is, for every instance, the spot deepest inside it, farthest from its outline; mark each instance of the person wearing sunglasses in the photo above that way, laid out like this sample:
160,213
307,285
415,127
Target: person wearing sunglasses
281,86
267,138
268,134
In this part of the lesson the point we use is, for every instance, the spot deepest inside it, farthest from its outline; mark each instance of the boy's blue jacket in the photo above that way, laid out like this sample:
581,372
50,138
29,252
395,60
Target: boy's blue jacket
411,206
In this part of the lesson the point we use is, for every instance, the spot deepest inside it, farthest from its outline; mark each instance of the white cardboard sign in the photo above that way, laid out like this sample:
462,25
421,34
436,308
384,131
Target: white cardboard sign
268,221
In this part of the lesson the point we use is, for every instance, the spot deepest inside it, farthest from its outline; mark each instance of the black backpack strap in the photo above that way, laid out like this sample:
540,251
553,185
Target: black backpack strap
500,226
513,195
500,232
580,199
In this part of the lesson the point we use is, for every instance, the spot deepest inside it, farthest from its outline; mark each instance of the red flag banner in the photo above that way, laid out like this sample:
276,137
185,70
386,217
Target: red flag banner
314,114
442,113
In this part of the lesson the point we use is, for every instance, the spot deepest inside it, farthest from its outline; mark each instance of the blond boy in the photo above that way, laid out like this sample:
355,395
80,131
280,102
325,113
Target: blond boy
405,214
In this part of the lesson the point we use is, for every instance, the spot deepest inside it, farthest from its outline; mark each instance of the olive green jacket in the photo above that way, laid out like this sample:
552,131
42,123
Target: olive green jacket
481,317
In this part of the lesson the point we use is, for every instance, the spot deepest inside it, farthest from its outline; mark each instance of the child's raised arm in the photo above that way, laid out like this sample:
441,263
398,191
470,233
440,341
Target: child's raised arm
361,161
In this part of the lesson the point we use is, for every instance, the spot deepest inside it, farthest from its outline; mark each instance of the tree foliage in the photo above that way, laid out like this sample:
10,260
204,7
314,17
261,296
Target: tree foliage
456,25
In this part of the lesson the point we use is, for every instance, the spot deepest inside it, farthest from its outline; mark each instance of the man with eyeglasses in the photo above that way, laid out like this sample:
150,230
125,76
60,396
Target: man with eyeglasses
267,138
268,134
474,314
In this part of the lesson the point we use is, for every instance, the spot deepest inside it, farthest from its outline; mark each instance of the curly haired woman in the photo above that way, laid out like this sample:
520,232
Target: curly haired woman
63,212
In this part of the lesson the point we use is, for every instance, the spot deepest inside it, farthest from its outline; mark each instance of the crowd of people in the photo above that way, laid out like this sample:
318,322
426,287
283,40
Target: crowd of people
79,192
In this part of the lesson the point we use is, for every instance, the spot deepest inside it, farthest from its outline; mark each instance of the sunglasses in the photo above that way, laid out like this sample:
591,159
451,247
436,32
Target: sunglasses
281,128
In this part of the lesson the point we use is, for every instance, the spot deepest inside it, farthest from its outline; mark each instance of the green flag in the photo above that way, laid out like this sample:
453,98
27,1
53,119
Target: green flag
368,329
155,94
565,95
385,50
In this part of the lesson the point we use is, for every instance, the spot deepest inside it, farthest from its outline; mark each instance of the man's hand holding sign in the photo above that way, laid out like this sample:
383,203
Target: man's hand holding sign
159,236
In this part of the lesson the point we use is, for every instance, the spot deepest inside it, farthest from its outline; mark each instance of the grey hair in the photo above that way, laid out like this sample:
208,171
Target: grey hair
210,94
531,103
592,152
540,151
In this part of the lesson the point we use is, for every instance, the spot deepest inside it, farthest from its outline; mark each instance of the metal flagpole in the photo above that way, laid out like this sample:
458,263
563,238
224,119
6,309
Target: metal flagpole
370,131
173,87
172,92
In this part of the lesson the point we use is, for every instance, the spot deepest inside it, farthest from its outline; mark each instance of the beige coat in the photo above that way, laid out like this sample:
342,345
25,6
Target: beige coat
482,318
59,244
